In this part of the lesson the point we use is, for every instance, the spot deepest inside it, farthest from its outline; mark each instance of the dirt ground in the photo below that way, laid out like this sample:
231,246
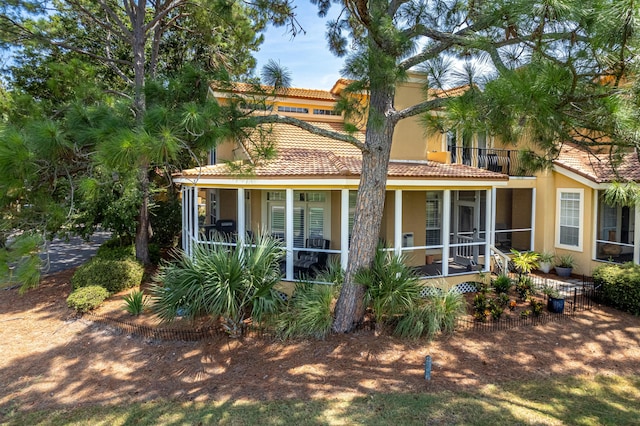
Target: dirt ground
51,359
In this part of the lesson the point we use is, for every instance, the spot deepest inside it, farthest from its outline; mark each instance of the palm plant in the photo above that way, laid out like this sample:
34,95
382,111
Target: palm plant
437,314
232,283
309,313
525,261
392,287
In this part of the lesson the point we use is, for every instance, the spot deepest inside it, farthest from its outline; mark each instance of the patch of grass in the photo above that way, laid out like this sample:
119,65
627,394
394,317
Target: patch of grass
604,400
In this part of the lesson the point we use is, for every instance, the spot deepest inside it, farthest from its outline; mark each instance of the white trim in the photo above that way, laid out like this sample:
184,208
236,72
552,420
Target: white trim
636,235
446,214
240,224
344,228
594,226
339,183
487,226
195,226
397,230
288,223
579,178
559,192
493,217
532,245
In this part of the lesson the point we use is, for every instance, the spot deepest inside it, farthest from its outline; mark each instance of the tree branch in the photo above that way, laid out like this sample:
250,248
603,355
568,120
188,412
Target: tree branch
420,108
124,32
162,11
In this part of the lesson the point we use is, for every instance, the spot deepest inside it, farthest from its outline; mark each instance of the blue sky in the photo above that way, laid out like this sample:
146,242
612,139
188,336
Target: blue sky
307,57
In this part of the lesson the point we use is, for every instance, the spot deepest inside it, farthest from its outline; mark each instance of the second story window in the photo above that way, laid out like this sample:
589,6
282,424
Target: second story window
325,112
293,109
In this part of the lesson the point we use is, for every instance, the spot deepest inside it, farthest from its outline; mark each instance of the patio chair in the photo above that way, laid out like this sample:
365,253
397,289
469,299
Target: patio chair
308,261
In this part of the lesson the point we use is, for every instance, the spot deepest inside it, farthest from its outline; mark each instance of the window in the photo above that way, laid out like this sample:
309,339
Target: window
325,112
434,218
293,109
310,215
615,232
569,214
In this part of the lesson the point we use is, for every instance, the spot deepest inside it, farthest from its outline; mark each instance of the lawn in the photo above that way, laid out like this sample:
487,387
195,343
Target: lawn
603,400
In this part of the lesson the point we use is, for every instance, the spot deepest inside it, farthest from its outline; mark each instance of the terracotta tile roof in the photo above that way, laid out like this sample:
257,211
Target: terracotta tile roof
597,165
304,155
287,92
294,137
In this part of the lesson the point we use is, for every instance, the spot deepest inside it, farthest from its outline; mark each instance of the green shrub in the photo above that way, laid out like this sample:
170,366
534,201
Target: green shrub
309,313
116,253
502,284
392,287
235,284
136,302
166,212
437,314
114,275
620,286
87,298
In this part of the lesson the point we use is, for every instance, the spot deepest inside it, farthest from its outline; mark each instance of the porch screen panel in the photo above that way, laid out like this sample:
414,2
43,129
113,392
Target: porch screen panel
298,227
277,221
570,218
316,222
434,218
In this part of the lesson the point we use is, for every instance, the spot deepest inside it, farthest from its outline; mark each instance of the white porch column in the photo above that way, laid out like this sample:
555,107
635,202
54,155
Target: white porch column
594,227
446,229
397,233
344,228
185,229
289,234
532,246
240,225
487,226
195,226
492,238
636,235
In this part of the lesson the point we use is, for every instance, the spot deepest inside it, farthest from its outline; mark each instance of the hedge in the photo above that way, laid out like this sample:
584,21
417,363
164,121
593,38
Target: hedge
620,286
114,275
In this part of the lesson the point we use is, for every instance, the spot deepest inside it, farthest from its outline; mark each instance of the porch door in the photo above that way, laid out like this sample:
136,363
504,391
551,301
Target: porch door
466,227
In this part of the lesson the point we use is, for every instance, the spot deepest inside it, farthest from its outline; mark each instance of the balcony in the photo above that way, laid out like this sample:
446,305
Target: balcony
506,161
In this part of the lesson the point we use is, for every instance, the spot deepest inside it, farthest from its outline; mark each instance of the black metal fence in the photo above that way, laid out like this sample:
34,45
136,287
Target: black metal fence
155,333
578,297
507,161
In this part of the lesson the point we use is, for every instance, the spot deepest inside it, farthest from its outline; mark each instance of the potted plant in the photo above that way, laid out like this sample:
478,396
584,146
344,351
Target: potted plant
555,301
545,261
564,265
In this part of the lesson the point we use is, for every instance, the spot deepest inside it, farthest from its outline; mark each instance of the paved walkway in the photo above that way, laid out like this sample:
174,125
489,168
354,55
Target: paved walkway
68,254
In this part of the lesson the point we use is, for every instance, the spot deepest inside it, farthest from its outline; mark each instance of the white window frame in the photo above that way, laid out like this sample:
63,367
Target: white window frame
580,192
305,205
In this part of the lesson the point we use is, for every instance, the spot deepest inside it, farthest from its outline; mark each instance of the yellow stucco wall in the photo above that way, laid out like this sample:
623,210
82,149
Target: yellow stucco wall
414,218
256,211
228,204
584,263
409,140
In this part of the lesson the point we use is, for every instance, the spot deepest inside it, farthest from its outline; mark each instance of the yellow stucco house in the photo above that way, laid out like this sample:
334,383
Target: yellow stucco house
454,204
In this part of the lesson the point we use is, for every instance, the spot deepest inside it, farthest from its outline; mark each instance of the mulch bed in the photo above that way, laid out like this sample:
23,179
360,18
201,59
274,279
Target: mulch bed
52,358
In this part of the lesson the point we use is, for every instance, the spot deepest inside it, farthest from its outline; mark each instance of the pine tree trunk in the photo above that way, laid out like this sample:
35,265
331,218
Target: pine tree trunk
350,308
140,105
143,229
